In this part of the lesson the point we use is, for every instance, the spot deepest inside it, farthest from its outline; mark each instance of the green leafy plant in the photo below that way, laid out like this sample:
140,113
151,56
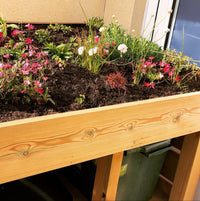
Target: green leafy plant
180,62
95,22
60,52
4,26
42,35
80,99
60,28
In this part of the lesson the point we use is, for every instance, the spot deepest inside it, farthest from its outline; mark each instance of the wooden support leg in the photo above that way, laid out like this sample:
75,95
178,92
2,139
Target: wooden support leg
107,177
187,173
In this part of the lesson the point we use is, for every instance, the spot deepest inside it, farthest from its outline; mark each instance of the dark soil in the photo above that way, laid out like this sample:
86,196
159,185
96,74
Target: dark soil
68,83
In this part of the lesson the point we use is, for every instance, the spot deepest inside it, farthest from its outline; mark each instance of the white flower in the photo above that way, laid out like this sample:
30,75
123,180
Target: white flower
113,16
160,76
122,48
92,51
101,29
95,50
81,50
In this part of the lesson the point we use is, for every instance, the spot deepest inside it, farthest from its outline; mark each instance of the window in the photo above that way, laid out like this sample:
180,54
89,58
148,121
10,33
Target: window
186,31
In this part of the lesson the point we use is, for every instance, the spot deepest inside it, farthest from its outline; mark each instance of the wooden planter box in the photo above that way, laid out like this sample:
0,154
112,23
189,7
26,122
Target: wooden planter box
35,145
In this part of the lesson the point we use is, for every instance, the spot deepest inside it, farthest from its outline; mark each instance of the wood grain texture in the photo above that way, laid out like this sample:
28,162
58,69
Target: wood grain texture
187,174
101,178
107,177
36,145
113,177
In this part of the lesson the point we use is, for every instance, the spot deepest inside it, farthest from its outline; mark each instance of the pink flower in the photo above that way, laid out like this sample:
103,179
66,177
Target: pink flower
45,54
177,78
38,55
24,55
147,84
46,62
151,58
27,82
170,73
161,63
150,85
105,51
1,74
28,40
6,56
1,34
39,90
16,44
23,91
16,32
37,83
96,39
25,72
113,44
45,78
166,69
29,26
31,52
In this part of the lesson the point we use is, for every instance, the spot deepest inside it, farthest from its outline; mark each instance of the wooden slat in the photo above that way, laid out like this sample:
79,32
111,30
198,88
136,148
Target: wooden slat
113,178
101,178
107,177
170,165
188,169
40,144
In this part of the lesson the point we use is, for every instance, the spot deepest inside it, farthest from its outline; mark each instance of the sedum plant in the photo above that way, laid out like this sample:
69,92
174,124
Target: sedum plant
42,35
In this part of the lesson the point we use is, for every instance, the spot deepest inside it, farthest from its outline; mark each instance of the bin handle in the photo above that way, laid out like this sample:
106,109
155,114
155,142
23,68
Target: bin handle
158,152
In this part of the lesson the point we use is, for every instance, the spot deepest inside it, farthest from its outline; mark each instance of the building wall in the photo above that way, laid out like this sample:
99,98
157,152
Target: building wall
128,12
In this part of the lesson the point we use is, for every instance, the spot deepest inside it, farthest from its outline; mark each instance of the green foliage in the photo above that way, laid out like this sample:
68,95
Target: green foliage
95,22
62,51
60,28
80,99
14,51
180,62
42,35
4,26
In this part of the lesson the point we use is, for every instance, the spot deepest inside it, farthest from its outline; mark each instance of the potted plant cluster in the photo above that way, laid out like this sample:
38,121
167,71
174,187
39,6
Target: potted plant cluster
47,69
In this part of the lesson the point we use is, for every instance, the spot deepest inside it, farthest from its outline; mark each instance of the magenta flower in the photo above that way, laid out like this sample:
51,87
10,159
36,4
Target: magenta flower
177,78
16,45
151,58
1,34
28,40
96,39
1,74
39,90
27,82
22,91
31,52
6,56
29,26
46,62
38,55
45,78
24,55
37,83
16,32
